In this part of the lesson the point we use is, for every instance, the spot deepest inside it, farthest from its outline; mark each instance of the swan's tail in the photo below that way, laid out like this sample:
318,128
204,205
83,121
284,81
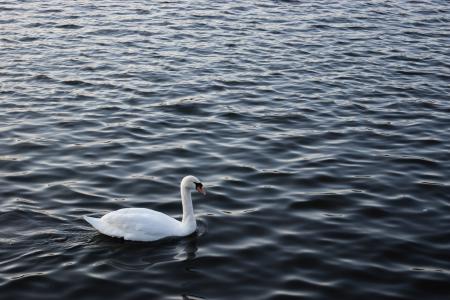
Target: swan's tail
95,222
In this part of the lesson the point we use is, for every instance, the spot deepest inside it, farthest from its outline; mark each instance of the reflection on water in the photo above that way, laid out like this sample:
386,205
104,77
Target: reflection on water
129,255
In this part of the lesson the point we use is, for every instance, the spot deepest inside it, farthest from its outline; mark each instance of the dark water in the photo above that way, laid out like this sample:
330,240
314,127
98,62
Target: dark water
321,129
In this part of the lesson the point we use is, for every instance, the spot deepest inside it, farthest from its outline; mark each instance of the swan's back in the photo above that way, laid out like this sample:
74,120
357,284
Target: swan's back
137,224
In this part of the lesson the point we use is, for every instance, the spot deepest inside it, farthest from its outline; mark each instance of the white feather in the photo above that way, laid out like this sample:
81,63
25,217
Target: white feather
142,224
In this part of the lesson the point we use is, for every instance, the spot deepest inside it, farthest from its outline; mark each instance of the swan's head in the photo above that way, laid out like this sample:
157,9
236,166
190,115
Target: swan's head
191,182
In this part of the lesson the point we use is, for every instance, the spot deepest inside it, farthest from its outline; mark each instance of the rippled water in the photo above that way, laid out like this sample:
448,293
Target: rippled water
321,129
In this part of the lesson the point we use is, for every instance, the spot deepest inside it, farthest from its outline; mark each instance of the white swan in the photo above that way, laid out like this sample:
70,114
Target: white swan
142,224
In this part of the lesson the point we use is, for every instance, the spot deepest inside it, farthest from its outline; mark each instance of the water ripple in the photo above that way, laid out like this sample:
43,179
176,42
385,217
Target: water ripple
320,129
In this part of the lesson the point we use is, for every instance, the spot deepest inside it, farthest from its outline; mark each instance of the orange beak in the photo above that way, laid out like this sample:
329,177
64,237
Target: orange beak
201,189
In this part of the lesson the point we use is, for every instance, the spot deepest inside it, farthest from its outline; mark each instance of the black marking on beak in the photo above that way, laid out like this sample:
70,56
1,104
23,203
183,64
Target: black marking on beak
199,187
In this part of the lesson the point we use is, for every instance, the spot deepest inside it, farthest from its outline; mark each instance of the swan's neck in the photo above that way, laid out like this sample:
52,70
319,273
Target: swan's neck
188,210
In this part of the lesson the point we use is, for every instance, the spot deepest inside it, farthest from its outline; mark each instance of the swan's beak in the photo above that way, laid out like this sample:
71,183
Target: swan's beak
201,189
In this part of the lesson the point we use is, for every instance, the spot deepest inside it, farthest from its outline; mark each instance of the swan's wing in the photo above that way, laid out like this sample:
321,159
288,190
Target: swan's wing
139,224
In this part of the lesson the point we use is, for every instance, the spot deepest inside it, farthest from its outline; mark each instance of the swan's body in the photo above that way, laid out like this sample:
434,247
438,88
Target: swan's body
142,224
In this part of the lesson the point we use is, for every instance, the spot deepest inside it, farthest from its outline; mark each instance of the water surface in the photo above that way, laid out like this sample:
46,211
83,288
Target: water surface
320,128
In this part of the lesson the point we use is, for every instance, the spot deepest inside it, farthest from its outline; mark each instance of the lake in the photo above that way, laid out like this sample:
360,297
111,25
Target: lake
320,129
